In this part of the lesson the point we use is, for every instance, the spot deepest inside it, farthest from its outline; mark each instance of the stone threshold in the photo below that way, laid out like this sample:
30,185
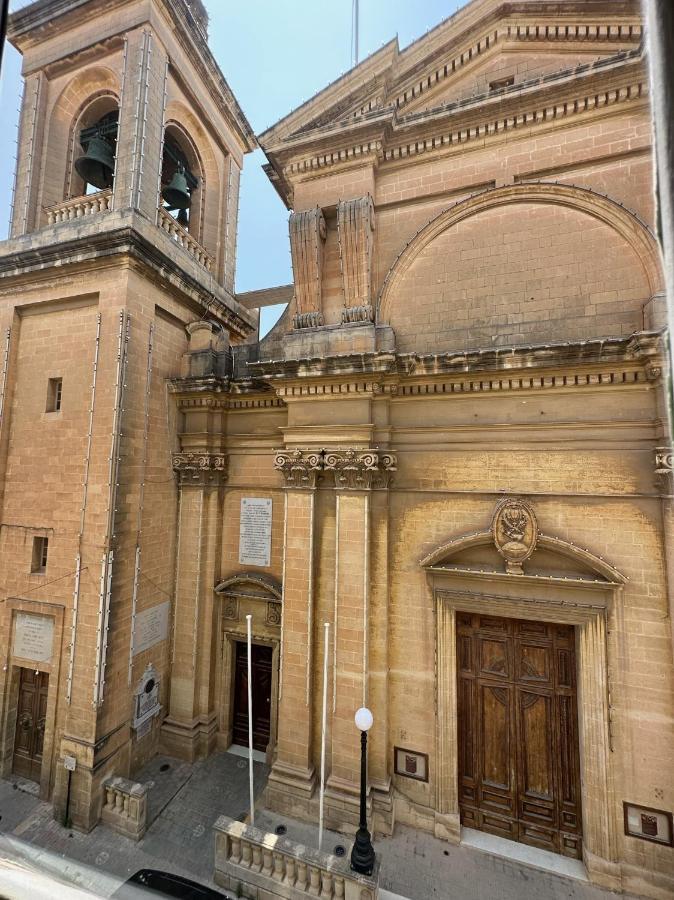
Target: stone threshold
544,860
238,750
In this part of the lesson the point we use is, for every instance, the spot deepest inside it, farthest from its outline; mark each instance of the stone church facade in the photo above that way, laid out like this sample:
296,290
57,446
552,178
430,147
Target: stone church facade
451,448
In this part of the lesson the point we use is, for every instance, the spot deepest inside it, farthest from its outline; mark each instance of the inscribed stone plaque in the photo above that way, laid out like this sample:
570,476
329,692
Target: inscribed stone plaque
255,532
33,636
151,627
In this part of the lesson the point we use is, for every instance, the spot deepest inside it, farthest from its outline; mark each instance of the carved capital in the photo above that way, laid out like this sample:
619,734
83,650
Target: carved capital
664,469
200,469
515,532
358,470
300,468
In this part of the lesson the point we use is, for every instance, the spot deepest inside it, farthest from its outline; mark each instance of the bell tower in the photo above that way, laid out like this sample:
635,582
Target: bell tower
123,235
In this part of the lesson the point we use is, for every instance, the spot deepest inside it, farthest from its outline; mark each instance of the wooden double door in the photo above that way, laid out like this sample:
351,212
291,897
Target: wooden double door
261,667
30,724
519,770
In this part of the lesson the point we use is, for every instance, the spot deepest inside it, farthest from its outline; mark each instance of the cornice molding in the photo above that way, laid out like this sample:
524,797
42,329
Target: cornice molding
412,88
124,239
607,362
459,124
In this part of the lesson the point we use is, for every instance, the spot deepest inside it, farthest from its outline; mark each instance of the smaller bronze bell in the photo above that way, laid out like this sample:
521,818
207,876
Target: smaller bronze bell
98,164
176,193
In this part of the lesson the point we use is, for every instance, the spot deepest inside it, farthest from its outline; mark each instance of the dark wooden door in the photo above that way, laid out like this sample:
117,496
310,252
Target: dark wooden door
261,664
519,768
30,723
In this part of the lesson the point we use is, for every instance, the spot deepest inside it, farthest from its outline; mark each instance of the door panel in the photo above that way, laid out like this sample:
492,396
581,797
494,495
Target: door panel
261,667
519,771
30,724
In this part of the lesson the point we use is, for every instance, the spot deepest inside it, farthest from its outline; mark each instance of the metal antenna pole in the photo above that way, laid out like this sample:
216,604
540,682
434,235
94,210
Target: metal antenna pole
356,23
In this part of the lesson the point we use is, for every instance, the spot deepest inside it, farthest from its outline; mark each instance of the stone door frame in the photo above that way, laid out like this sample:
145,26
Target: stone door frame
589,605
261,596
9,690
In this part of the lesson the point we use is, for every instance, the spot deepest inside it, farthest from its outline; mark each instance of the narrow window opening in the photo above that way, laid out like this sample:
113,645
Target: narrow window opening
39,560
501,83
54,394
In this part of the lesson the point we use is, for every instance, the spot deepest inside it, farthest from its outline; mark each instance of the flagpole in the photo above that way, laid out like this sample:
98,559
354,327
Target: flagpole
326,651
249,620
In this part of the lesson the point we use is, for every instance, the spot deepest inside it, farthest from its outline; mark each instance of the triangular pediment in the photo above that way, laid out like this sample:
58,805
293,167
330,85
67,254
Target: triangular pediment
478,51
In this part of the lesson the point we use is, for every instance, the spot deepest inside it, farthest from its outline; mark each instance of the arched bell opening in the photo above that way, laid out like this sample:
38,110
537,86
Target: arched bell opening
181,193
94,147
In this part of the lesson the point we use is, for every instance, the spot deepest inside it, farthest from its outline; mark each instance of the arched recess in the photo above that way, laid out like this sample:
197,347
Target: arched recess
568,585
620,226
91,94
182,126
242,594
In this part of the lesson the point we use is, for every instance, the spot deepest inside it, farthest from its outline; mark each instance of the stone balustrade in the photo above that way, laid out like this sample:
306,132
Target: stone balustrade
125,807
77,207
262,866
182,237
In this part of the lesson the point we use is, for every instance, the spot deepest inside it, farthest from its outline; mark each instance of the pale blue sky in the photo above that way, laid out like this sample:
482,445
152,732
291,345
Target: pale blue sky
274,54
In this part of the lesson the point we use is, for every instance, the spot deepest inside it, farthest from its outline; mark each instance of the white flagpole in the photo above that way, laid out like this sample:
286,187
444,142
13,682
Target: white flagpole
326,651
249,620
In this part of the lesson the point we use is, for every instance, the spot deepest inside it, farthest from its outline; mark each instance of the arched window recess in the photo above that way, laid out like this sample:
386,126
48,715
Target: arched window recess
99,143
178,181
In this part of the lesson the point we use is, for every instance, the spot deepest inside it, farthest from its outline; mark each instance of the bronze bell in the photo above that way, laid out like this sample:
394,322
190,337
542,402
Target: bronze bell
98,163
176,193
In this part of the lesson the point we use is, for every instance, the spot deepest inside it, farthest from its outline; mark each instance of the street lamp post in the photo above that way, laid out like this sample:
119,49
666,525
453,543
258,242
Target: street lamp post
362,854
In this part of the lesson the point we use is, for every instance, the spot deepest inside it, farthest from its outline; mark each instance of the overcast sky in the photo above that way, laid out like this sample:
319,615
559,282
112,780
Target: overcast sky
274,54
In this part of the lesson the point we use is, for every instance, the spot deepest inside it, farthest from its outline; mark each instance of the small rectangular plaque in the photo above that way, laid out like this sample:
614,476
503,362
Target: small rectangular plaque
143,729
255,532
151,627
33,637
649,824
70,763
411,763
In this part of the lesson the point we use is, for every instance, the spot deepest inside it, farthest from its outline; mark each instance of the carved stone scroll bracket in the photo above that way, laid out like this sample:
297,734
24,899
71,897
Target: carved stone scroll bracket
515,532
200,469
355,229
300,468
307,239
358,470
664,469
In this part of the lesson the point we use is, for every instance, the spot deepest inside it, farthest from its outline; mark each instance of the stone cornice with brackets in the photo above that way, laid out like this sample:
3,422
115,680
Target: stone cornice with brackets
385,137
612,362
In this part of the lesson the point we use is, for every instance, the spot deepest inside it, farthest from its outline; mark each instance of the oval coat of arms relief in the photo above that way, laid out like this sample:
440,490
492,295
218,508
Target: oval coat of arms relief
515,531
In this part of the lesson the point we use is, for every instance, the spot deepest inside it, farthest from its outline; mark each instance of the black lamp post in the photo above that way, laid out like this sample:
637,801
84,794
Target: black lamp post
362,854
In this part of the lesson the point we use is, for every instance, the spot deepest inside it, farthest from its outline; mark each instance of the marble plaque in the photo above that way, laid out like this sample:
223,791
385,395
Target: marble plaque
151,627
33,637
255,532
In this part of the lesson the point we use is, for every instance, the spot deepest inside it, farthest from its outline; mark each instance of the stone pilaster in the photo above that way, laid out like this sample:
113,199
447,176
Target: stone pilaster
356,474
141,122
292,779
189,730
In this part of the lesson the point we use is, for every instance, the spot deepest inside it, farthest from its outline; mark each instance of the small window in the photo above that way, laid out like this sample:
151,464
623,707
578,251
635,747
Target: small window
54,392
40,549
501,83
